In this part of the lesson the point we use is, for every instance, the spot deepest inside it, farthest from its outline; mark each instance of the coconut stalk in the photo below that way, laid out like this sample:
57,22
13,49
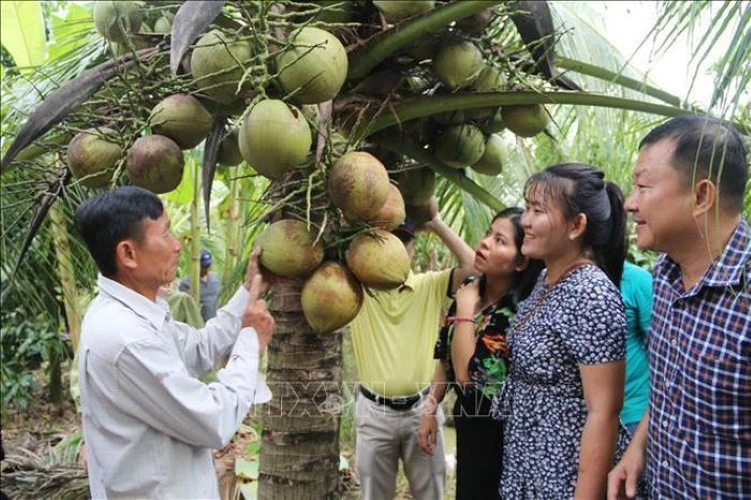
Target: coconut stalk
300,447
419,107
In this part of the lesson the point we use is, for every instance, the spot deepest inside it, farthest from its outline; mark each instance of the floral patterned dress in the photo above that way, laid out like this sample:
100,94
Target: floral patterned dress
577,321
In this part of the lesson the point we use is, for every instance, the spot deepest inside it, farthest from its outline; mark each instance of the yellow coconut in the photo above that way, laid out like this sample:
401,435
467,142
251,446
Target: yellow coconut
358,185
331,297
378,259
391,213
290,249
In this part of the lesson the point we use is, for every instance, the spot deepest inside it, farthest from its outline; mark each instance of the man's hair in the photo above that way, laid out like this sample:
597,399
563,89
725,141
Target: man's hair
706,148
109,218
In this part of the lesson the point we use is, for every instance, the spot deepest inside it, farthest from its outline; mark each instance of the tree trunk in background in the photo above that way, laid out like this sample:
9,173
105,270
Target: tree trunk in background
232,231
194,269
300,441
71,300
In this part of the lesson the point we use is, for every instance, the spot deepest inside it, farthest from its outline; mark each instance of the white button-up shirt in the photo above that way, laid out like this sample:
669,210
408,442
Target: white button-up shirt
149,424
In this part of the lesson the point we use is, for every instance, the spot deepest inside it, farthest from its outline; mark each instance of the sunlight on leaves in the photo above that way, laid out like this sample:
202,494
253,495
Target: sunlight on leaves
22,33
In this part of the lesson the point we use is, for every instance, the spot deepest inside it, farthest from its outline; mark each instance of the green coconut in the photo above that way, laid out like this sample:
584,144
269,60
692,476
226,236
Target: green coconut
460,146
391,214
495,123
417,185
313,66
92,157
491,162
458,64
331,297
229,150
182,118
155,162
489,80
358,185
456,117
420,214
274,138
525,120
397,10
290,249
476,23
378,260
217,64
163,26
114,19
135,40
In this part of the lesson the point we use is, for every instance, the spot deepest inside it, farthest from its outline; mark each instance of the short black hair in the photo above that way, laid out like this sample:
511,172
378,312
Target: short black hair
706,148
109,218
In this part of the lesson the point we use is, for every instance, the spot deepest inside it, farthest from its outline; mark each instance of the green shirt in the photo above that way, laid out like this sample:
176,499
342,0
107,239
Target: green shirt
636,289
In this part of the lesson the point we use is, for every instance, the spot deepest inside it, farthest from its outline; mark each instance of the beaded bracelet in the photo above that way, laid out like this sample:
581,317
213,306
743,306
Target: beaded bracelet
459,319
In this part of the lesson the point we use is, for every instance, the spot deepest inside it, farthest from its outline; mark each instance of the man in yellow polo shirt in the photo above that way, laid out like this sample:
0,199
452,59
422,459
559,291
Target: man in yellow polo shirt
393,338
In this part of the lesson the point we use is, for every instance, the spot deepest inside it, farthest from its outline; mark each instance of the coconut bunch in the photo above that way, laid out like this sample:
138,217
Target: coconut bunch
361,191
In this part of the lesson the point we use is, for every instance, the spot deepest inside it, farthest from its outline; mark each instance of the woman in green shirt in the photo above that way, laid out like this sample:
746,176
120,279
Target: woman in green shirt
636,290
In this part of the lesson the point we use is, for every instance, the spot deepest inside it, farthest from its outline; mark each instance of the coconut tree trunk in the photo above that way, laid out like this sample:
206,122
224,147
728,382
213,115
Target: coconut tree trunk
300,442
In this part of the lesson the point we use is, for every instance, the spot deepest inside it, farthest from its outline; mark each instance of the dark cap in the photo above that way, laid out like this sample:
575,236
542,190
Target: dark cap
205,258
405,231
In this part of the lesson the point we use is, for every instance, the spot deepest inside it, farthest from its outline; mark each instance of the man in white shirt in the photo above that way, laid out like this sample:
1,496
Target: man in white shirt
149,423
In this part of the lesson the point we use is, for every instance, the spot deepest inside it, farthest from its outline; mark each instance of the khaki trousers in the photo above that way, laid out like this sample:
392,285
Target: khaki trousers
384,436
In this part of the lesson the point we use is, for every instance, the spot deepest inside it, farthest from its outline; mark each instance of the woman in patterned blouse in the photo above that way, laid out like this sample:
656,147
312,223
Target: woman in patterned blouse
564,390
472,347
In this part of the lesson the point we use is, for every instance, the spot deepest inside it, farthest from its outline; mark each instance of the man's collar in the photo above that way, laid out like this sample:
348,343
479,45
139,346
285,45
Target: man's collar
727,270
154,312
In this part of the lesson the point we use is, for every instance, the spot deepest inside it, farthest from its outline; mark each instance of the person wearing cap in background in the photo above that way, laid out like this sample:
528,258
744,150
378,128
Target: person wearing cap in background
209,287
393,337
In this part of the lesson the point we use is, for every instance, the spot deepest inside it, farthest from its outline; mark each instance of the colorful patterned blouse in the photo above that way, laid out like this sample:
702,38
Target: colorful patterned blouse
489,363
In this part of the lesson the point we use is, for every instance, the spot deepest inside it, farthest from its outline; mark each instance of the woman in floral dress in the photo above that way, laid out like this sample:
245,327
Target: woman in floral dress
473,352
564,391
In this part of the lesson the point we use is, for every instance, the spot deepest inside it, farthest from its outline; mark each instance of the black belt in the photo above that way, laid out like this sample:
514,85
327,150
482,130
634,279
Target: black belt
401,403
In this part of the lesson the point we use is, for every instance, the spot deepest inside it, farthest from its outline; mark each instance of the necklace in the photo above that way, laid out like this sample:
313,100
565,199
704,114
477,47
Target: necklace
549,288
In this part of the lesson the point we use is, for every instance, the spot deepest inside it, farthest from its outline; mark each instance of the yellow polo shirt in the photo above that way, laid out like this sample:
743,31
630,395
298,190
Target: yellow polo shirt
395,331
